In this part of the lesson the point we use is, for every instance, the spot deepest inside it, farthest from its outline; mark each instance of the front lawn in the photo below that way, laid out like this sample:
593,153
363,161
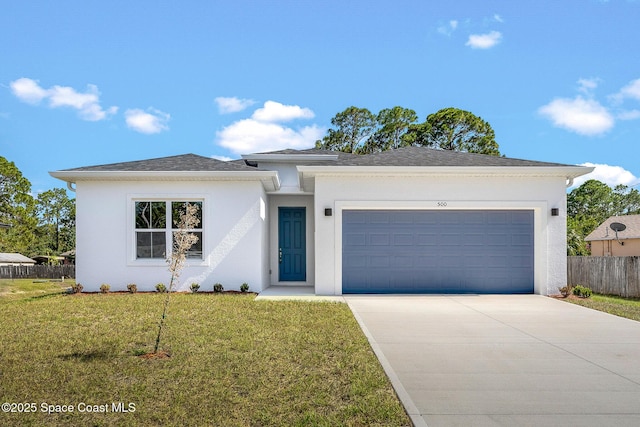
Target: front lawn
623,307
13,289
234,362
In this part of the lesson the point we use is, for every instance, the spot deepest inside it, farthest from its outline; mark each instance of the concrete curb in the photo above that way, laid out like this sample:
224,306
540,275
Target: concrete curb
405,399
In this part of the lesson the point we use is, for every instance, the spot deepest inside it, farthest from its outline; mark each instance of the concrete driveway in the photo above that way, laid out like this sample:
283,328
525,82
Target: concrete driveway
503,360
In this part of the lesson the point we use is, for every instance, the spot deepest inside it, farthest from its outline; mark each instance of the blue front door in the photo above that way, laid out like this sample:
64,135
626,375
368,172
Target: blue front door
292,253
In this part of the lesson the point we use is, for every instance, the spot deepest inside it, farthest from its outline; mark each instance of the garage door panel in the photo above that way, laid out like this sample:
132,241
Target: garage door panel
426,239
378,239
437,251
379,261
355,239
380,217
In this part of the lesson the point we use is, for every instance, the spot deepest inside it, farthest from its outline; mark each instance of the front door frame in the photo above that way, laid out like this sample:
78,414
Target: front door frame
292,246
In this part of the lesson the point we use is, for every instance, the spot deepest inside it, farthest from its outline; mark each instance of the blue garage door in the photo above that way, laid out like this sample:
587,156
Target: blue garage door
391,251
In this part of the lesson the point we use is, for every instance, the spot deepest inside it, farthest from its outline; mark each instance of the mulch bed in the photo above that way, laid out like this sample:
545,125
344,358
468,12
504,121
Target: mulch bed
558,296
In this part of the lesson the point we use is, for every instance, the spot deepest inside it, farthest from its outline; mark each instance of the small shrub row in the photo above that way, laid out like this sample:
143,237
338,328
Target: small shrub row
132,288
577,290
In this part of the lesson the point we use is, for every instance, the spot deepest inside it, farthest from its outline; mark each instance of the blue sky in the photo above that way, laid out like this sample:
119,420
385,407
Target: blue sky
88,82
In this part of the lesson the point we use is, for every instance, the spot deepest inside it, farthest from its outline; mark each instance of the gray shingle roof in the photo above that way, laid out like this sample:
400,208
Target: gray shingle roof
604,232
416,156
15,258
407,156
421,156
181,163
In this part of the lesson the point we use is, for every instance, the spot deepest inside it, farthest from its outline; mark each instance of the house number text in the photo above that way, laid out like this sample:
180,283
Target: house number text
442,204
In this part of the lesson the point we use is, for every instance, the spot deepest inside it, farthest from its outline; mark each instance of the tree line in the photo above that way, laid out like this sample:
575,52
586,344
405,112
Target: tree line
41,225
590,205
358,130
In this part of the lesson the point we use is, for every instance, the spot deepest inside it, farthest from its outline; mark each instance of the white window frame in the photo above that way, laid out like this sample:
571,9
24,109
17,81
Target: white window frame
132,258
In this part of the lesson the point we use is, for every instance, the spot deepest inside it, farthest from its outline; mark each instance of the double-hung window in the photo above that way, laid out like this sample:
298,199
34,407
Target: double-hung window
155,223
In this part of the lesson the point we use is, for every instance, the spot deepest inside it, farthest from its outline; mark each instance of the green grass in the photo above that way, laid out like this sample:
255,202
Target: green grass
623,307
11,290
234,362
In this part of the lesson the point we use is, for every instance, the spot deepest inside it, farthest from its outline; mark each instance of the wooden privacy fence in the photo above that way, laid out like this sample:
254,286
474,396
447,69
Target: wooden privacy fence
37,271
611,275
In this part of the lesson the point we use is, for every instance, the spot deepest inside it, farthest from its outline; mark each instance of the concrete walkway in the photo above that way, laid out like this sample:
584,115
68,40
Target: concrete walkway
501,360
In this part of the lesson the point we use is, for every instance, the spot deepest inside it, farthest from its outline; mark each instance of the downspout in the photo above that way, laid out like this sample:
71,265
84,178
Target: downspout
570,182
70,186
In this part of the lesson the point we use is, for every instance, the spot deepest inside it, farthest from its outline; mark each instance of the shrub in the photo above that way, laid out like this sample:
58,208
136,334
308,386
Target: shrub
194,287
105,288
566,290
218,287
132,288
244,287
161,288
582,291
76,288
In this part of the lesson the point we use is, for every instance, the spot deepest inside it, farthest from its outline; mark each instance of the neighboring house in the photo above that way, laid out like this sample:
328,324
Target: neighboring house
69,257
15,259
411,220
604,240
49,259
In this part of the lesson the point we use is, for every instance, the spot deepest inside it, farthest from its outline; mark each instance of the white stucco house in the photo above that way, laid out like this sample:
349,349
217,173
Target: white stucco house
411,220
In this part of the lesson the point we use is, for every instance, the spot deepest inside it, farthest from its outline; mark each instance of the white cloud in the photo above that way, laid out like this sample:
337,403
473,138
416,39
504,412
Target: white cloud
449,28
629,115
498,18
579,115
484,41
222,158
632,90
276,112
87,104
264,132
149,122
28,90
587,86
252,136
610,175
232,104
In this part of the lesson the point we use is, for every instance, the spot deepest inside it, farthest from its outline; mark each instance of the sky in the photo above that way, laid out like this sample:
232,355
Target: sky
93,82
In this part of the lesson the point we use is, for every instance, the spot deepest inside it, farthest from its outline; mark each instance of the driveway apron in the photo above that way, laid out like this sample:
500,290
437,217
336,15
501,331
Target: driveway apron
505,360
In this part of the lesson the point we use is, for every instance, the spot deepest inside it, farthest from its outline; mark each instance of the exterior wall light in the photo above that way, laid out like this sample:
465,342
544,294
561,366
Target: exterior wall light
328,212
555,211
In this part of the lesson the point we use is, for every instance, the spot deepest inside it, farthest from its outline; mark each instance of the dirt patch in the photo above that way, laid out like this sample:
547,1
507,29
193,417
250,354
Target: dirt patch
152,356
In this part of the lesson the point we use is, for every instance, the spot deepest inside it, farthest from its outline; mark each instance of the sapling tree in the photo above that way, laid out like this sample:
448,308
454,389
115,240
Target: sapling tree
183,240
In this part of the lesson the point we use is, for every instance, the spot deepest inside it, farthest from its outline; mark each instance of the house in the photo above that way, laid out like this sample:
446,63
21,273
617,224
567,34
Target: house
15,259
410,220
49,259
605,241
69,257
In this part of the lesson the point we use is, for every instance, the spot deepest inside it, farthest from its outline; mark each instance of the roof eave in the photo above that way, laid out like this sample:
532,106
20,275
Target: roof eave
269,179
568,172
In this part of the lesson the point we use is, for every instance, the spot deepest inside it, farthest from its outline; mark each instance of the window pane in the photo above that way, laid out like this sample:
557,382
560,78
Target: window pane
158,214
150,244
151,214
143,245
196,250
179,208
143,215
158,244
